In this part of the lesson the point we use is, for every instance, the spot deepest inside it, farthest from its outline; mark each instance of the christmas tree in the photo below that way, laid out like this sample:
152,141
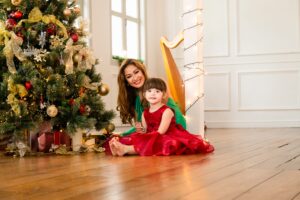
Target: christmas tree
47,71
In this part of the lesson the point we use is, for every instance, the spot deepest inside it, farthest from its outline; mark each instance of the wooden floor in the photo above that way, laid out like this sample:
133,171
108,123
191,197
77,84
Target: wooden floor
248,164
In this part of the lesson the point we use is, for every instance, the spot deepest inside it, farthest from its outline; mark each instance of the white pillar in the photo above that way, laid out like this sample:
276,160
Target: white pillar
193,65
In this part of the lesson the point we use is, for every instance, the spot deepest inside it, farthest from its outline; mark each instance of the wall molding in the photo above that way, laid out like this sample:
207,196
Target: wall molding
238,40
227,53
278,108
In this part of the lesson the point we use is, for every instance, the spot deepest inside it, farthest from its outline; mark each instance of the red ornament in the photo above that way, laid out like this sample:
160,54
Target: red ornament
17,15
74,37
28,85
10,24
51,29
82,109
71,102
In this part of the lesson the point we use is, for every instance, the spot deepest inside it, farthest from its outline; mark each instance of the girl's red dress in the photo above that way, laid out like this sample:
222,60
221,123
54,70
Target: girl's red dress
175,141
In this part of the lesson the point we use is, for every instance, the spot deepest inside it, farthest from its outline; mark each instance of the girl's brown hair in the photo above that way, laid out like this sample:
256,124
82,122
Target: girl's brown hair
127,94
156,83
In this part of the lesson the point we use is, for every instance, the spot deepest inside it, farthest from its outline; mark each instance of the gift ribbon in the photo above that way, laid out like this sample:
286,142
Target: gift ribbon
69,52
12,47
15,89
36,15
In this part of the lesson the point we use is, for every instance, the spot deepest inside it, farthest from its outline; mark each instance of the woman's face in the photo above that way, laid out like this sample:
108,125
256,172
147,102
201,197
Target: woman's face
134,76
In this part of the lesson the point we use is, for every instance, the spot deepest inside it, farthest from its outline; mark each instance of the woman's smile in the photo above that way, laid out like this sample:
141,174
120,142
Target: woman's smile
134,76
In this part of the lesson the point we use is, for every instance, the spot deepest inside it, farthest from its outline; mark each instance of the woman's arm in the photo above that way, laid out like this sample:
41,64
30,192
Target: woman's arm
128,132
178,114
165,121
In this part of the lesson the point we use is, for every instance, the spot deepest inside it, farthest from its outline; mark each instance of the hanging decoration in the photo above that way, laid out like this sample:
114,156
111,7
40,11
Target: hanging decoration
103,89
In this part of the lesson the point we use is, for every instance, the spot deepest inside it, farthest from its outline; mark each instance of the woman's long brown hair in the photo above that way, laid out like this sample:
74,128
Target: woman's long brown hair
127,94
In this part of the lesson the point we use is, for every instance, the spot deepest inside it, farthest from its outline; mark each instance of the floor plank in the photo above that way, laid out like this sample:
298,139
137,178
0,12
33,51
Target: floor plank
262,163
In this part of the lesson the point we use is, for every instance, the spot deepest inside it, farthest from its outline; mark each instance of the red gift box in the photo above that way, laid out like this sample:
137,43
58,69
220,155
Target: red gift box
61,137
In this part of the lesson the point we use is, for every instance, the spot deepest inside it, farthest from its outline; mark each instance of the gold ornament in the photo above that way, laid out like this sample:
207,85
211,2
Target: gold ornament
110,127
103,89
16,2
67,12
52,111
77,58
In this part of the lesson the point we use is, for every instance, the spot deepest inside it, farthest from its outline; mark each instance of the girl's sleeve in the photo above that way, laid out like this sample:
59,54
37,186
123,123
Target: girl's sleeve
139,111
178,114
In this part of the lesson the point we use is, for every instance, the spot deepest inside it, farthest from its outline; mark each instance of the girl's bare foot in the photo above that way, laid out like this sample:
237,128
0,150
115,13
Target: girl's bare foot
112,146
120,149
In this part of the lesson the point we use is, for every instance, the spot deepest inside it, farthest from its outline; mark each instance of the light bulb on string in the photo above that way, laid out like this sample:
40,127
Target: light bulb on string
187,118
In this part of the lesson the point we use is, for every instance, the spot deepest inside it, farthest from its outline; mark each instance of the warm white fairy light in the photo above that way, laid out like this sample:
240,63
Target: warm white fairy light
191,27
187,118
194,45
190,105
189,10
193,30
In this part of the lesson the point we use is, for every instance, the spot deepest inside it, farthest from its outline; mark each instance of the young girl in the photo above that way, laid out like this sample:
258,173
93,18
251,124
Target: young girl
161,135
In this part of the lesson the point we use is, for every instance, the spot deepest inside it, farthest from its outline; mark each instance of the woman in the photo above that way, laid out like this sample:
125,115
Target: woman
131,79
162,136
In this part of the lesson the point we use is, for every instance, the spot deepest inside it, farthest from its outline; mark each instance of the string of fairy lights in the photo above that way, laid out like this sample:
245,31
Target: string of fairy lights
197,64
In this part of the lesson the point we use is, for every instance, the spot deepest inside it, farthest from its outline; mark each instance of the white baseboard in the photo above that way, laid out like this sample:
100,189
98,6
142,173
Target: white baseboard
252,124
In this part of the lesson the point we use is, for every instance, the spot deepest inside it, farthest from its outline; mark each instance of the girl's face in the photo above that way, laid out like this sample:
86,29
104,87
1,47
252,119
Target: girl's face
134,76
154,96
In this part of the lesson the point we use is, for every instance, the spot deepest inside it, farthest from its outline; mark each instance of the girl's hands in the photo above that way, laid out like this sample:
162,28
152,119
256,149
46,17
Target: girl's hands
139,128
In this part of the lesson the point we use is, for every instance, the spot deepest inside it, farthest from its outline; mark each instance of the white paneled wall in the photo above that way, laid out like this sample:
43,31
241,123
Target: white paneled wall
252,61
251,57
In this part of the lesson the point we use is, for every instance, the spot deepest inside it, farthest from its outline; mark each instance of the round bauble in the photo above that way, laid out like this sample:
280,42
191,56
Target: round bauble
28,85
110,127
17,15
74,37
103,89
77,57
51,29
16,2
67,12
52,111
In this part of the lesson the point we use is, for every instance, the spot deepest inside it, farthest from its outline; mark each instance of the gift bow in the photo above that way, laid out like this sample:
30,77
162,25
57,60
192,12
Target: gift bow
12,48
36,15
69,52
15,89
86,59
